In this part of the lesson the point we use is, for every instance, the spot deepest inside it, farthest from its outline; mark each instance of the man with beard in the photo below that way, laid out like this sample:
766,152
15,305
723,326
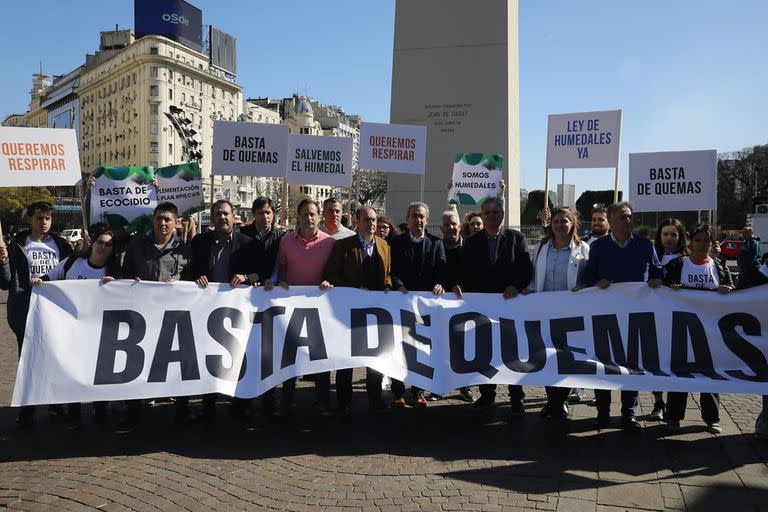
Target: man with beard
222,256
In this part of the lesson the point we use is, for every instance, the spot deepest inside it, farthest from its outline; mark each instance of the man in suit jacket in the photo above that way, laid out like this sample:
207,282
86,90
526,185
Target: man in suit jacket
418,264
361,261
495,260
222,256
266,237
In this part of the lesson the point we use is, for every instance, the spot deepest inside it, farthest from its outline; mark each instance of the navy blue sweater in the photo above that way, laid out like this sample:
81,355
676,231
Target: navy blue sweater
631,264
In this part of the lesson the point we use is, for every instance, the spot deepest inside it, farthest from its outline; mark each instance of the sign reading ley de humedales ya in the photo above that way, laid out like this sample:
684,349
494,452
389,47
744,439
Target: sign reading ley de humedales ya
673,180
319,160
38,157
249,149
582,140
393,147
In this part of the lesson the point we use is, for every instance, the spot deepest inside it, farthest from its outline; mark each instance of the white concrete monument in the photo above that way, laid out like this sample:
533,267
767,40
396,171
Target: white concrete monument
455,71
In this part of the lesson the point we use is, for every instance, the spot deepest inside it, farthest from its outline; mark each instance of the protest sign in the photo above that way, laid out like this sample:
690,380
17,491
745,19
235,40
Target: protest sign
584,140
249,149
123,198
181,185
673,181
393,147
319,160
38,157
476,177
145,339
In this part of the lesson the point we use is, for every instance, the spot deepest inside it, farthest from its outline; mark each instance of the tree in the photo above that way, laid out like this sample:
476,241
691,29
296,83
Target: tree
589,198
533,205
742,183
13,200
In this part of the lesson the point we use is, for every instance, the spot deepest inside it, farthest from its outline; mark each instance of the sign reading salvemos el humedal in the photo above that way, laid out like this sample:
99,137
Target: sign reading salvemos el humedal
319,160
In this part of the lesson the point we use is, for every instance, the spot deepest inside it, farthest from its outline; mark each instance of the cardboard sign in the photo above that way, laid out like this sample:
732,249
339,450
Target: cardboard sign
249,149
393,147
476,177
38,157
123,198
673,181
181,185
319,160
584,140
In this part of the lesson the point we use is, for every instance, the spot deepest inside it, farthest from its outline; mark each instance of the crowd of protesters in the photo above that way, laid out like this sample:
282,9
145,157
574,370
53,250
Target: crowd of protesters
477,254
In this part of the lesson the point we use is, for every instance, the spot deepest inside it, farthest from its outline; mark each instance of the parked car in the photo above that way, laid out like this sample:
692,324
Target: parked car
730,249
72,235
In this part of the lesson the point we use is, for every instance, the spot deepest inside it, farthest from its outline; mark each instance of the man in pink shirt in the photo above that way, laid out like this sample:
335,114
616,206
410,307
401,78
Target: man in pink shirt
302,257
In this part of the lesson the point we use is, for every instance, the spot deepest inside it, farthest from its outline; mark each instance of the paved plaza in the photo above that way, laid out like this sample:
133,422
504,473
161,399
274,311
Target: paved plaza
447,457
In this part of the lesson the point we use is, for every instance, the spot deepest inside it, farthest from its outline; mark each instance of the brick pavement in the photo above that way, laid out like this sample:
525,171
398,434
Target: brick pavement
445,458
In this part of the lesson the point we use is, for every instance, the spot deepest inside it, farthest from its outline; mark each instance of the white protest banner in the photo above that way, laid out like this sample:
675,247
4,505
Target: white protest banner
476,177
123,198
317,160
38,157
181,185
393,147
673,181
145,339
584,140
249,149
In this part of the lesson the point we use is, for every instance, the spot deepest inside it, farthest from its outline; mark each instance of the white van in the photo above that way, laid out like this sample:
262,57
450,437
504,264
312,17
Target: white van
72,235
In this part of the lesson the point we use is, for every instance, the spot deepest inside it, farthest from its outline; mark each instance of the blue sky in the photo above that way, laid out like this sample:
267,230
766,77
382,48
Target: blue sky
688,74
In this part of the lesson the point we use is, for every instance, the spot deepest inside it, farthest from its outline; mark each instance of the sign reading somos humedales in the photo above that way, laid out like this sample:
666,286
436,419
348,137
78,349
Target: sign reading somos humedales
319,160
584,140
673,181
249,149
476,177
393,147
144,339
38,157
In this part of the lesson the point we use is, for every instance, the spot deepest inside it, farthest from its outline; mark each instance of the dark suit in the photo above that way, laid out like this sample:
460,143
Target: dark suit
417,266
264,248
349,266
487,272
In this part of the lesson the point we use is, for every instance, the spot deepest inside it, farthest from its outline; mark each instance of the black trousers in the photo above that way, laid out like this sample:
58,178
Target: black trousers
556,397
322,389
710,406
344,386
629,401
516,393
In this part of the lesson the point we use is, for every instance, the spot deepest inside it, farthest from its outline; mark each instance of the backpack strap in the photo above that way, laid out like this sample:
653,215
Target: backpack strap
68,264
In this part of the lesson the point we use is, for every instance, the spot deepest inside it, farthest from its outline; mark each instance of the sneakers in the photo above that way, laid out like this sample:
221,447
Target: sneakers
577,395
485,401
713,427
421,400
434,397
466,395
657,414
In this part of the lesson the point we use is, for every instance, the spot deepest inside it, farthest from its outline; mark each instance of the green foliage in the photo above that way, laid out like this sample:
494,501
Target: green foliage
742,183
14,199
645,230
590,197
533,205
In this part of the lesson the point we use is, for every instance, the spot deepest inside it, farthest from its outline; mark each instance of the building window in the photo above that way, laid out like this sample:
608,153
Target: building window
153,50
153,164
154,108
153,128
154,72
153,147
170,149
153,90
170,94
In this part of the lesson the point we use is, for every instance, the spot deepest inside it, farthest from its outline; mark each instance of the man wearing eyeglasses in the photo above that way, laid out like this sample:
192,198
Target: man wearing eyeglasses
33,253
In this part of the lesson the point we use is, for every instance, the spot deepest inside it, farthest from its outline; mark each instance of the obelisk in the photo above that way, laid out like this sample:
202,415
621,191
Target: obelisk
455,70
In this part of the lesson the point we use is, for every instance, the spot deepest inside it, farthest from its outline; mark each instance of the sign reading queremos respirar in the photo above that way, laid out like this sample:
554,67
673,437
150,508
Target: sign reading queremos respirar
673,180
393,147
476,177
249,149
584,140
143,339
319,160
38,157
